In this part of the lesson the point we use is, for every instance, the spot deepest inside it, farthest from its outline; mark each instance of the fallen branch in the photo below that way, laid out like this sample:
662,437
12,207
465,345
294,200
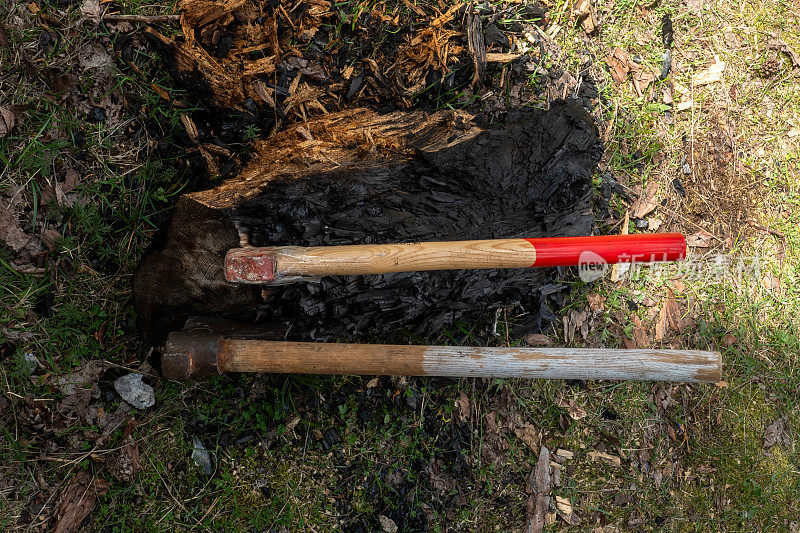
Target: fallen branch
147,19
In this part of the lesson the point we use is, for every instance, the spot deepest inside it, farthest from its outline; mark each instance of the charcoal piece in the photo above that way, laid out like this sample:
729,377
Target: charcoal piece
667,32
369,178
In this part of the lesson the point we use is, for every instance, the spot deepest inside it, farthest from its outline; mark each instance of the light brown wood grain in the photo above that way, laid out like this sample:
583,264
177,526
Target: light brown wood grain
462,361
404,257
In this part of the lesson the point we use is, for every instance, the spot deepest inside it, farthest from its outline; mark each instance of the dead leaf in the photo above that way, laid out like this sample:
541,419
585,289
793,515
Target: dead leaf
71,180
730,340
668,318
371,384
463,405
529,436
661,324
126,462
11,231
596,302
653,224
7,120
575,412
701,239
710,74
91,10
575,320
77,500
537,339
642,78
776,433
619,62
86,375
771,282
646,202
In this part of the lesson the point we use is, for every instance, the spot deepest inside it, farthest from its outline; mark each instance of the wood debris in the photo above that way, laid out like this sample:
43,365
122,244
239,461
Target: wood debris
539,489
619,62
607,458
646,202
76,501
710,74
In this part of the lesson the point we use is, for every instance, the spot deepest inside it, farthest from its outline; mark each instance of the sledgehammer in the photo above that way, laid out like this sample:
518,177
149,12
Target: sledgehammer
203,349
285,264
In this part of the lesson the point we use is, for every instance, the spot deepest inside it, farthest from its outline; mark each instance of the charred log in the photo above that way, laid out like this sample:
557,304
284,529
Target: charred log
358,178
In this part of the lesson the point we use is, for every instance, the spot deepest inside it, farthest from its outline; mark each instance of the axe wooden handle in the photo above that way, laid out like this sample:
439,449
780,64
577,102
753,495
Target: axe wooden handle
188,356
289,263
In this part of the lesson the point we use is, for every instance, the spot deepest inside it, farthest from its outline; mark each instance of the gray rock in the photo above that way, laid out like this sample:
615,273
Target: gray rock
202,457
134,391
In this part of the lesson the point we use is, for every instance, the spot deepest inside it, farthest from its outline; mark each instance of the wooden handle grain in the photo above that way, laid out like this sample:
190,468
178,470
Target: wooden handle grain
236,355
404,257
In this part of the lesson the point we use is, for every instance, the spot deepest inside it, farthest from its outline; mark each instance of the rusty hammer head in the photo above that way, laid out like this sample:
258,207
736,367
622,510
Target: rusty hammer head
194,351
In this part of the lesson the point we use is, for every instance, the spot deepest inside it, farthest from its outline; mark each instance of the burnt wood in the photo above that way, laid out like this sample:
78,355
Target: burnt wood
357,177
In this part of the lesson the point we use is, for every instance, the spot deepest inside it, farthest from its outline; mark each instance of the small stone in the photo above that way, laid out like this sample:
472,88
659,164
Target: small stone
97,114
135,391
202,457
31,362
387,524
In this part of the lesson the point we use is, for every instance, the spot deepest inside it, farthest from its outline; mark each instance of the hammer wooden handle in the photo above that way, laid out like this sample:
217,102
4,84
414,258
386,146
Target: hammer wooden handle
249,355
287,263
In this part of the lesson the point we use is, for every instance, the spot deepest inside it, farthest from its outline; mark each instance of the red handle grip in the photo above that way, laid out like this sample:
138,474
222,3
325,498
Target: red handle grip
565,251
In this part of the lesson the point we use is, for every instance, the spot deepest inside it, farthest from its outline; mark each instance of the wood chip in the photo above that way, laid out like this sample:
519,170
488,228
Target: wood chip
646,202
539,487
261,90
304,133
498,57
566,454
77,500
710,74
564,505
609,459
189,126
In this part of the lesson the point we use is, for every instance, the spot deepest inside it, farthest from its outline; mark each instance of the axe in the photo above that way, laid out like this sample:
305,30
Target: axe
286,264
